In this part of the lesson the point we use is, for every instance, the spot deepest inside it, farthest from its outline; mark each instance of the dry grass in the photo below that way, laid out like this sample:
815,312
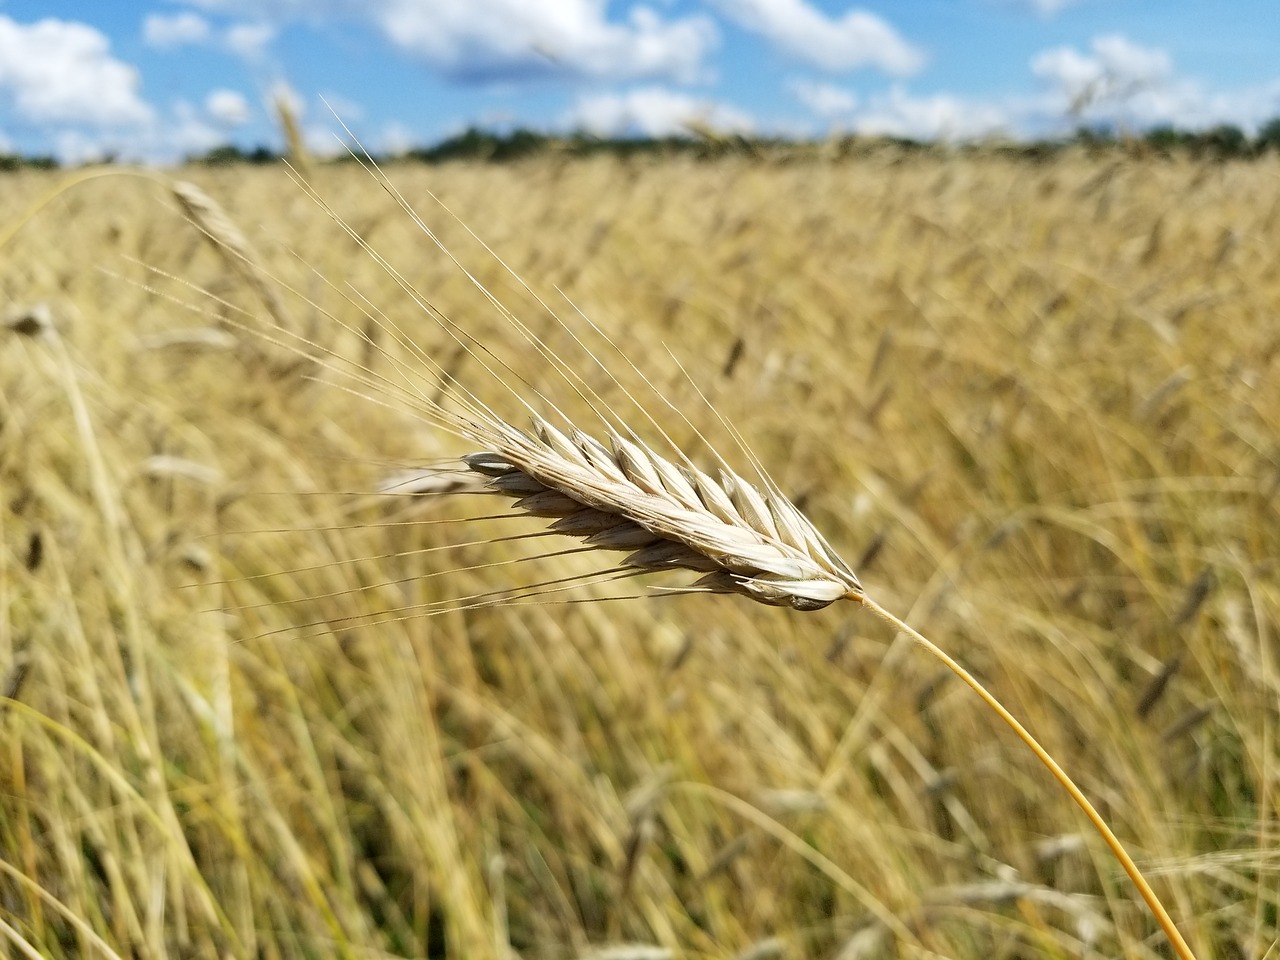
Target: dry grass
1036,406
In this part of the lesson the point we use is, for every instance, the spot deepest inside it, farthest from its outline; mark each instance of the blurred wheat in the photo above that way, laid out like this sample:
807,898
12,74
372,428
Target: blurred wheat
1040,401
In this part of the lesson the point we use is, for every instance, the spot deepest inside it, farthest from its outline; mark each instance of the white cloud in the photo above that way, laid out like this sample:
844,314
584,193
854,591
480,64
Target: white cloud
76,146
249,41
934,117
1186,104
855,39
60,71
898,113
183,130
396,139
497,40
653,112
179,30
228,108
823,99
1114,72
1129,86
500,39
186,132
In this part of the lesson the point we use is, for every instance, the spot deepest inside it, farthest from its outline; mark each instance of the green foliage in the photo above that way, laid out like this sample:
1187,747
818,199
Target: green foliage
1268,137
10,162
229,154
1223,142
478,144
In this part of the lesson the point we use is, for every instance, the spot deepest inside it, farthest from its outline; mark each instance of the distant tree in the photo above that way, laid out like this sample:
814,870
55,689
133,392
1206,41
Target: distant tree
1166,139
1033,151
1268,137
517,144
477,144
229,154
10,162
261,155
472,144
1223,142
1096,137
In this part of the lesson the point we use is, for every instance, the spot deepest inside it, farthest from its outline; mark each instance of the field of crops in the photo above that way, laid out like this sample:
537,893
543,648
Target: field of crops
256,706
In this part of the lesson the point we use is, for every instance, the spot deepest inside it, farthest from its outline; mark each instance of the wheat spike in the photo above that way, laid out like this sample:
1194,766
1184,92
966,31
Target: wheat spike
231,243
626,497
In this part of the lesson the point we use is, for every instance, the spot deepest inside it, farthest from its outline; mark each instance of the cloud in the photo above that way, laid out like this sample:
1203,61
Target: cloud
502,40
228,108
1186,104
249,41
855,39
898,113
179,30
1130,86
1115,70
62,72
74,147
823,99
186,131
653,112
395,139
938,116
514,39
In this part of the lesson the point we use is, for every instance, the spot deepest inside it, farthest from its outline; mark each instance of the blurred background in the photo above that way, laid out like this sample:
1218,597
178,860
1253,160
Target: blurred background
990,289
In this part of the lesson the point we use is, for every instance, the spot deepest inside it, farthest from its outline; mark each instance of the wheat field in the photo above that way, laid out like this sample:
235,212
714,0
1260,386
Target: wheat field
255,705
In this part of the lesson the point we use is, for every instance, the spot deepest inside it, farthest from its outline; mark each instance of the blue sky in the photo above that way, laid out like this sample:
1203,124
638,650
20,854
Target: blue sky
157,80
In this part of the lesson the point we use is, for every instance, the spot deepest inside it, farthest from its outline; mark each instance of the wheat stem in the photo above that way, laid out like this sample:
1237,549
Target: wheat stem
1113,842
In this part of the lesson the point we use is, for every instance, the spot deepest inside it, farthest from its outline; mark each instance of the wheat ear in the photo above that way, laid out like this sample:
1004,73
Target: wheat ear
626,497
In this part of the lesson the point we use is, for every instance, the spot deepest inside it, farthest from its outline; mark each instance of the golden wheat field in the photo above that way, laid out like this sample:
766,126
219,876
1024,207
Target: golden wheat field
255,705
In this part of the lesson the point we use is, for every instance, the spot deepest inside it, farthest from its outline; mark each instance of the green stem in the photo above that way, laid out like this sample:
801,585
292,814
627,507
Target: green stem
1117,848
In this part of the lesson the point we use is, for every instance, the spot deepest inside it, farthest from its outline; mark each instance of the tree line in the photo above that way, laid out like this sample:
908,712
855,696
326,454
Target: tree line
1222,142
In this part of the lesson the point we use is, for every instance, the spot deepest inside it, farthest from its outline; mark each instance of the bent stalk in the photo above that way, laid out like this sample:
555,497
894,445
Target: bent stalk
1113,842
